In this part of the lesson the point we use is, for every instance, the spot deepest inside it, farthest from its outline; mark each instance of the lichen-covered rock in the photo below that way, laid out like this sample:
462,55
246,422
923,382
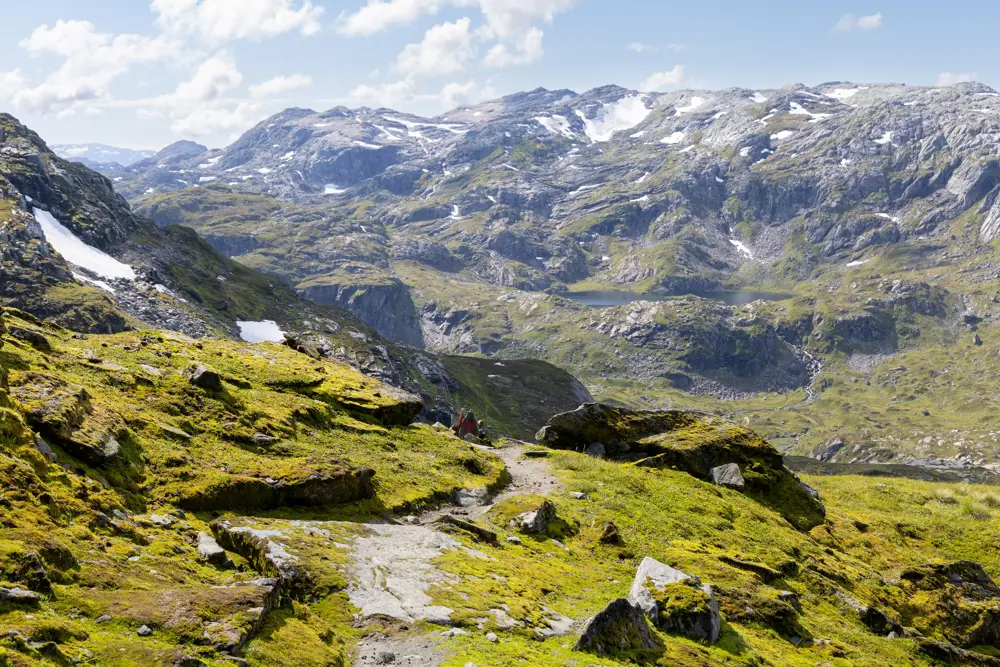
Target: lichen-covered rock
537,520
206,379
692,442
209,550
676,602
19,596
615,428
956,601
331,486
728,475
620,627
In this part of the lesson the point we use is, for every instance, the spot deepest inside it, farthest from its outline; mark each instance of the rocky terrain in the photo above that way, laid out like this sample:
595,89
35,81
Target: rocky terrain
200,468
74,254
866,210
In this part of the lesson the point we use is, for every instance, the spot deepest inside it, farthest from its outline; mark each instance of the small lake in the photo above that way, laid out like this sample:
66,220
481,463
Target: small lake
600,299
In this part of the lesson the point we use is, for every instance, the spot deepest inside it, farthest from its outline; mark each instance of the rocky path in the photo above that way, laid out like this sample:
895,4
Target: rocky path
391,569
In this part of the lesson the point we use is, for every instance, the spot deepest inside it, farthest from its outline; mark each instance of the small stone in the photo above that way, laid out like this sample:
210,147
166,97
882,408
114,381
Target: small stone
386,658
144,631
578,495
610,534
537,521
492,637
596,449
514,539
103,619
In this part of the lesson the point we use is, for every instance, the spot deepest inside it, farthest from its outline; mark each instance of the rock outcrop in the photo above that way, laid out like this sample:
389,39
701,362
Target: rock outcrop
676,602
620,627
709,448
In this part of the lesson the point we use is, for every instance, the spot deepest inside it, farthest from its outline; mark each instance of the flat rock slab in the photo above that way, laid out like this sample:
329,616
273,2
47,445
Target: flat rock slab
399,652
391,570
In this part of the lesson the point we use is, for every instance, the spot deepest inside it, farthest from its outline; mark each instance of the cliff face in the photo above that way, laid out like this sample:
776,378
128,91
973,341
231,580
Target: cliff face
387,308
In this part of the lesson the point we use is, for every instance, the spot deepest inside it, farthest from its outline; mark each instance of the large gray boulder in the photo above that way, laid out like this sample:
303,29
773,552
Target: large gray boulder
676,602
621,626
728,475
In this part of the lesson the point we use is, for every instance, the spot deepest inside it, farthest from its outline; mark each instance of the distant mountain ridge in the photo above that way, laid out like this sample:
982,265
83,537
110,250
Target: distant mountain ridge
101,154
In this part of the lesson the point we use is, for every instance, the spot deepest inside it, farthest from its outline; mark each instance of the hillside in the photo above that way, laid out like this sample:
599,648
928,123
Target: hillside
75,255
243,515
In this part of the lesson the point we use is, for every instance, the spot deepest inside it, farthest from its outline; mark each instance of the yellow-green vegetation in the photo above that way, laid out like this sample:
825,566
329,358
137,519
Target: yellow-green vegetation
102,539
876,530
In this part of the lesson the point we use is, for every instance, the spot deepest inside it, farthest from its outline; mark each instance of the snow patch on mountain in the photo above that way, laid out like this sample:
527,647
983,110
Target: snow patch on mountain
624,114
741,248
79,253
692,104
556,124
675,138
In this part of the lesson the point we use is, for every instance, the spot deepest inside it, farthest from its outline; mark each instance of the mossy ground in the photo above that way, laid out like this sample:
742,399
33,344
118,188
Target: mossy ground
92,529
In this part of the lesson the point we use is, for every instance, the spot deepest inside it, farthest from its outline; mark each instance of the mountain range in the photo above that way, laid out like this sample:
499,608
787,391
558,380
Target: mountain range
101,154
864,214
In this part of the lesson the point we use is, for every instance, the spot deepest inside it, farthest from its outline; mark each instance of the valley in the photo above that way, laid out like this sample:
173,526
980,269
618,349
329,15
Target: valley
734,407
826,245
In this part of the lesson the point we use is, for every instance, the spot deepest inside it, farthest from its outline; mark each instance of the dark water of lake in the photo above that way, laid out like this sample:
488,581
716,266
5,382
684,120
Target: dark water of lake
607,299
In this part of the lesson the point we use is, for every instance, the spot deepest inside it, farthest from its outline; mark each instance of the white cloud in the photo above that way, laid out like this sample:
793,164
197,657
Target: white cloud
385,94
511,24
11,83
660,80
850,23
639,47
279,85
445,49
528,49
212,121
407,91
222,20
378,15
91,62
508,18
642,47
951,78
214,78
456,94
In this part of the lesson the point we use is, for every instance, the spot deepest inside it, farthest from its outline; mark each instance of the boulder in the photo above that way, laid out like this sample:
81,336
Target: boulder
621,626
728,475
536,521
19,596
615,427
610,535
210,551
676,602
206,379
958,602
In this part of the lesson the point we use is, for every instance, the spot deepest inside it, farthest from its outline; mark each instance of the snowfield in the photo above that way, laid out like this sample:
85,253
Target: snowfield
79,253
624,114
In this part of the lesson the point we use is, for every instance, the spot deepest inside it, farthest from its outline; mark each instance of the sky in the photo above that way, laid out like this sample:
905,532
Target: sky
146,73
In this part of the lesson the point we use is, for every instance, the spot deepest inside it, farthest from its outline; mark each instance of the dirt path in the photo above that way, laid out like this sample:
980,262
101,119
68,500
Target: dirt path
391,569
